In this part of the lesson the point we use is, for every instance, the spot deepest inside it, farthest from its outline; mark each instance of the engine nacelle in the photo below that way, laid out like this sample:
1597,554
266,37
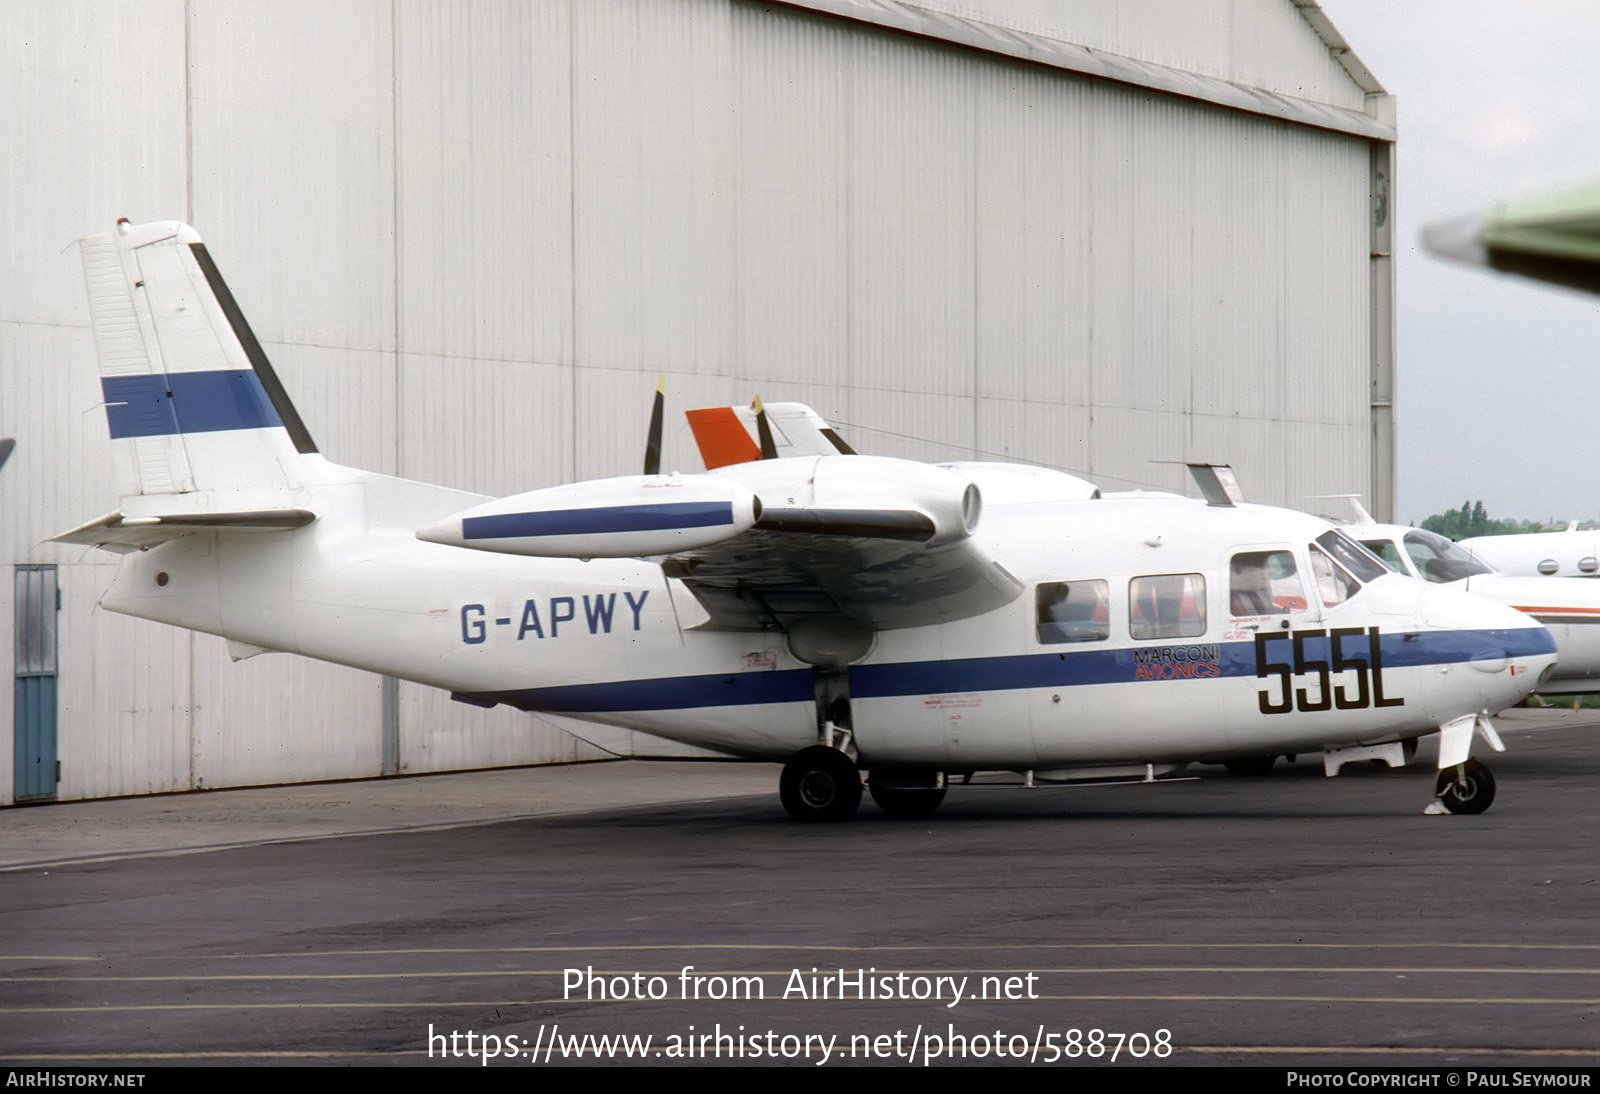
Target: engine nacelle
626,517
870,496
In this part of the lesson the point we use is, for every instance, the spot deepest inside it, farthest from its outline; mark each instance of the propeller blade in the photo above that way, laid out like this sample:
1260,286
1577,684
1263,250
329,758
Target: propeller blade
769,448
652,444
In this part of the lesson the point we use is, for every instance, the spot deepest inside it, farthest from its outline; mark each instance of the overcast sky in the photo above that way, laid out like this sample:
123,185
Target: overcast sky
1499,377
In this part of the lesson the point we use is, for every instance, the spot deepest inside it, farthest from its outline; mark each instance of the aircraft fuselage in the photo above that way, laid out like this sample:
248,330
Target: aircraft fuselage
617,642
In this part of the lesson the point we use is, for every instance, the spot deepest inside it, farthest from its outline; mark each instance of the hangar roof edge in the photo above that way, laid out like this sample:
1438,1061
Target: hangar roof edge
910,18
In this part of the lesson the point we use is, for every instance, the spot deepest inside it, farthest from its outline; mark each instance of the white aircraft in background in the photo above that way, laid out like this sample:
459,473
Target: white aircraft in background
1573,553
832,613
1568,607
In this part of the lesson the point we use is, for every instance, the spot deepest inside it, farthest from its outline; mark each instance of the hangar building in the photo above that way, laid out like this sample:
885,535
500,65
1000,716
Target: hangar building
470,234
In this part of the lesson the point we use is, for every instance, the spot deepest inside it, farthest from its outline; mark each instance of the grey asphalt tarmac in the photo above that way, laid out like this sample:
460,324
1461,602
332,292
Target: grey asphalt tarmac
1286,920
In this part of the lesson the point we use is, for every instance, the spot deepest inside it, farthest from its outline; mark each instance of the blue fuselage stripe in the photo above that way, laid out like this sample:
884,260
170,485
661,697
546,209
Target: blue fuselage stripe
599,520
1065,668
730,689
160,405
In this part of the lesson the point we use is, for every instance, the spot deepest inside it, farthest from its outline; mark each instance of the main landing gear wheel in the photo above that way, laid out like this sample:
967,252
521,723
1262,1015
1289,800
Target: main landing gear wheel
1465,789
820,784
906,801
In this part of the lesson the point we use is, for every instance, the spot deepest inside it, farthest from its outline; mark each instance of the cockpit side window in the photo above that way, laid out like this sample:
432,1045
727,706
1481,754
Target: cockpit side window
1074,611
1388,553
1265,583
1439,560
1167,606
1334,585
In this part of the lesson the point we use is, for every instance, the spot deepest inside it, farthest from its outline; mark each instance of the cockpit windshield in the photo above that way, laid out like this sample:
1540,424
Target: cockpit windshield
1360,562
1439,560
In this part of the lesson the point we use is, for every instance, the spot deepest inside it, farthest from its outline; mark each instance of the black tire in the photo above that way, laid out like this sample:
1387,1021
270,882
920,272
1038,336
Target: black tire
820,784
906,801
1472,793
1255,765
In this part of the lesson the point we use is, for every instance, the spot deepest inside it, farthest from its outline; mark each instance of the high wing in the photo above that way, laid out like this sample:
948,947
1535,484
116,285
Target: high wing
1553,237
854,539
883,542
787,525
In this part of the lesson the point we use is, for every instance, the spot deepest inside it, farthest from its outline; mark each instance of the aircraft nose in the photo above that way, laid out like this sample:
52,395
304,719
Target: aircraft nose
1458,610
1459,239
1494,638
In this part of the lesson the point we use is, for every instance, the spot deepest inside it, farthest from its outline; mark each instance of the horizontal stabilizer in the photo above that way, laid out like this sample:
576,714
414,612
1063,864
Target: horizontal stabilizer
116,532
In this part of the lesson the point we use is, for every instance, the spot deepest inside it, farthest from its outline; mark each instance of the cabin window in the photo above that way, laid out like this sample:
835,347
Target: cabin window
1265,583
1167,606
1074,611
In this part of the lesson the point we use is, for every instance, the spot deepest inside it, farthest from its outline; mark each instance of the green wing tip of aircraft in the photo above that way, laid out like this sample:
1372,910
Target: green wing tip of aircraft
1553,237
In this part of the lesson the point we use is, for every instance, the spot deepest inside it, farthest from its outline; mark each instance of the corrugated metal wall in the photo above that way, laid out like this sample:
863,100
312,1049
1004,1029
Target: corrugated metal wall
470,234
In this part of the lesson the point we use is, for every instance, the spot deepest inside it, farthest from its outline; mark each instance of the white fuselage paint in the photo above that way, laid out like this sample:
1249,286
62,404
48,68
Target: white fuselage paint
358,588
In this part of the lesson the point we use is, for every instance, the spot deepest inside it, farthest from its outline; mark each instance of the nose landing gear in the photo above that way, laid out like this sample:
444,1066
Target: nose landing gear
1466,788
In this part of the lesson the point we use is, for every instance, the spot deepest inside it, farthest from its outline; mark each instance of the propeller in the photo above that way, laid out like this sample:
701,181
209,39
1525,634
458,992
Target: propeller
652,444
6,445
769,448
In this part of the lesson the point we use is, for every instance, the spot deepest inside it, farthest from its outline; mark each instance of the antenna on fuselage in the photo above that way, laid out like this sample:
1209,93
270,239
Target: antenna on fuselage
1217,483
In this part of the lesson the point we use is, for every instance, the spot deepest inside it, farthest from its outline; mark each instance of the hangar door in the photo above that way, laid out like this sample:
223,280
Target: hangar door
38,599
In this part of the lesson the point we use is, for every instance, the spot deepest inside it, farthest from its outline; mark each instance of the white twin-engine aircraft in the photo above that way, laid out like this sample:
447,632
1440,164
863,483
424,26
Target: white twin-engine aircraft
833,613
1569,607
1573,553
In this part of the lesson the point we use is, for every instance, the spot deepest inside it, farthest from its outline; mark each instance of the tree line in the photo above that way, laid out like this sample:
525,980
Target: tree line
1472,520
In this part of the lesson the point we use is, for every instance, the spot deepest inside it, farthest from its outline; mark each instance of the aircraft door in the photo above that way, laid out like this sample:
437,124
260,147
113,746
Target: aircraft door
1273,631
1073,625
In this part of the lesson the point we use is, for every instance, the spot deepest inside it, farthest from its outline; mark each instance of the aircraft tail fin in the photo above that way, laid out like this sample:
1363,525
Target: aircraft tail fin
191,401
